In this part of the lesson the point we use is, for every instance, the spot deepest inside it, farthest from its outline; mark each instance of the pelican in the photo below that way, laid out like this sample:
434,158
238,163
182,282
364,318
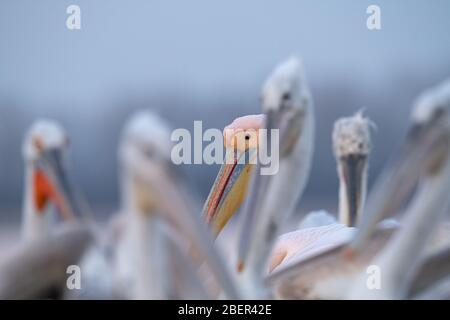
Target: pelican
46,184
351,147
340,272
155,223
288,106
130,259
152,192
37,267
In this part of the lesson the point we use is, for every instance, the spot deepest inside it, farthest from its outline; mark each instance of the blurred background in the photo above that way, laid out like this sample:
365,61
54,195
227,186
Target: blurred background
206,60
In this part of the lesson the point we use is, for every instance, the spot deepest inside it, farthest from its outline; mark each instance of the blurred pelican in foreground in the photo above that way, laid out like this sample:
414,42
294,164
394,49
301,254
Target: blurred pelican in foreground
154,194
401,259
288,106
129,258
46,184
38,269
340,272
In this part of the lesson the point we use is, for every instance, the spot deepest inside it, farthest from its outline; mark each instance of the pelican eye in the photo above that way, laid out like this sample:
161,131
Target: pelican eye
439,112
39,144
148,152
286,96
247,136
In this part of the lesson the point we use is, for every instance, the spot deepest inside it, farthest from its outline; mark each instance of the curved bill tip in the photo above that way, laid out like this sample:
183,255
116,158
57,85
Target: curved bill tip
228,192
240,266
349,253
52,180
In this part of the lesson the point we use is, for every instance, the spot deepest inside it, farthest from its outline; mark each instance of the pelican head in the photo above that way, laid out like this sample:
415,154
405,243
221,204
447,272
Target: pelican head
144,153
284,88
352,146
431,104
431,126
44,151
423,153
230,187
286,101
288,108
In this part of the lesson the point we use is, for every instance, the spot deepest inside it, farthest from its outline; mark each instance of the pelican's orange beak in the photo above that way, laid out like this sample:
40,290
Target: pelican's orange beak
51,183
231,184
227,194
45,191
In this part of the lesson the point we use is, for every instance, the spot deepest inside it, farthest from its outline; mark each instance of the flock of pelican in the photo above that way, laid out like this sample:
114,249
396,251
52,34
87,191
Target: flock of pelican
161,243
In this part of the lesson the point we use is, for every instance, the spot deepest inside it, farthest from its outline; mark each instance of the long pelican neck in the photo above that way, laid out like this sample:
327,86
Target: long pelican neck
146,244
399,261
127,196
346,196
150,257
36,223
